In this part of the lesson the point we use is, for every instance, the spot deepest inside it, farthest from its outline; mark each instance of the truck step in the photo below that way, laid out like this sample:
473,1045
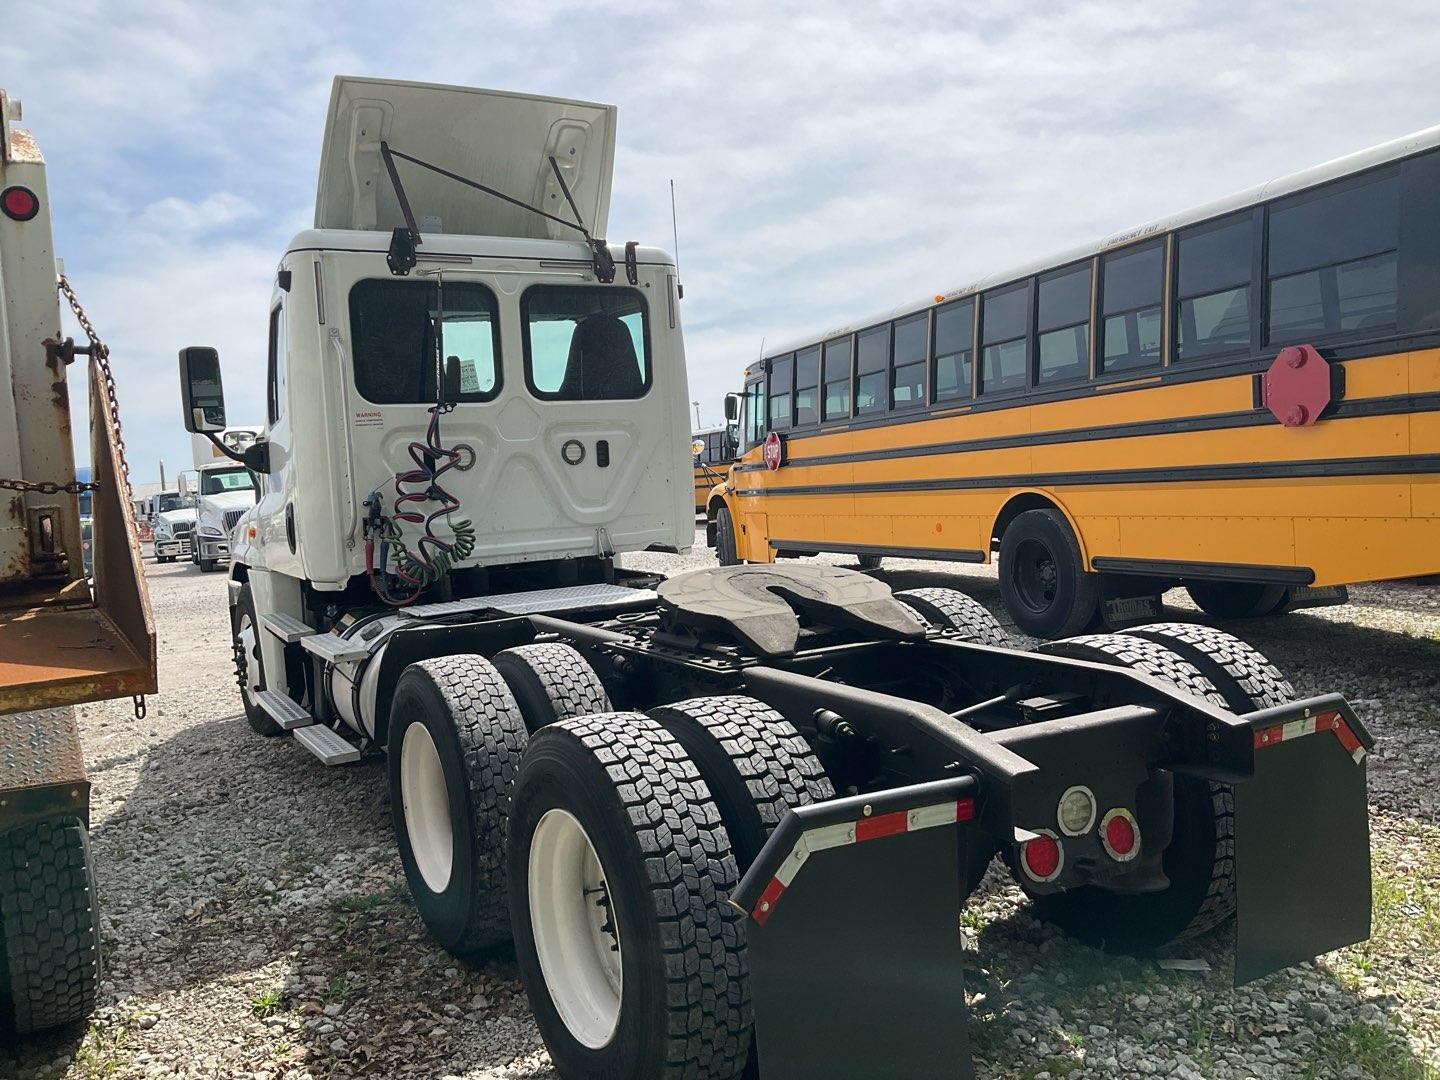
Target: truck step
283,710
286,627
328,745
334,648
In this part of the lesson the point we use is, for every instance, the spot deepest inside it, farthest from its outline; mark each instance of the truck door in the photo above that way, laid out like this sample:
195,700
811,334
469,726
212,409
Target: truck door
275,515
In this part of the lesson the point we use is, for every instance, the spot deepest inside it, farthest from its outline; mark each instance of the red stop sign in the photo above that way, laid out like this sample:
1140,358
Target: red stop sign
774,451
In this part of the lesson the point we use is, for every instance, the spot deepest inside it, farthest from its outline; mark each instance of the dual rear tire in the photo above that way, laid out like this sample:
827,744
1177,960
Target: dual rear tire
605,844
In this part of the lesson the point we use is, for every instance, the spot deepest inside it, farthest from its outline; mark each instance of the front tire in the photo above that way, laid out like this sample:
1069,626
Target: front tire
455,743
725,550
1043,580
51,926
619,868
249,665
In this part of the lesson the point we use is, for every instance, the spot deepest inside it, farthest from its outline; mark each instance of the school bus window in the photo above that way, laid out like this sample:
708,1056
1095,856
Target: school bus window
1213,288
872,359
954,350
807,381
782,375
1131,282
1063,324
1332,265
1004,330
837,378
907,381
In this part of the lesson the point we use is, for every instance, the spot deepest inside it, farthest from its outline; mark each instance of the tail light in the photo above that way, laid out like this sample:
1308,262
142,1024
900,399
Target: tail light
1042,857
1120,834
19,203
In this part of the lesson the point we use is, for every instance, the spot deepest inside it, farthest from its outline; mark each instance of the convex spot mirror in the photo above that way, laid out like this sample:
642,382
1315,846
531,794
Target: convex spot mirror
202,395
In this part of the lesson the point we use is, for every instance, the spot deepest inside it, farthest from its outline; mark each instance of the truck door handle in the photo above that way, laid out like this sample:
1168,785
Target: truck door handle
290,526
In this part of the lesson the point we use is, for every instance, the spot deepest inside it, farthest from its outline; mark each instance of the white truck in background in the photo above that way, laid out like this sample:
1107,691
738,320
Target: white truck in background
172,524
224,491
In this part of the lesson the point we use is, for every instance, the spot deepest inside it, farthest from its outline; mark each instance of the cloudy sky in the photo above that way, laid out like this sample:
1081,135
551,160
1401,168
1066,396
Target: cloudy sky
830,160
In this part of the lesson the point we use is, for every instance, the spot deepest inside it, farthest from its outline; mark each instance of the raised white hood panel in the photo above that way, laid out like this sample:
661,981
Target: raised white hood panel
499,139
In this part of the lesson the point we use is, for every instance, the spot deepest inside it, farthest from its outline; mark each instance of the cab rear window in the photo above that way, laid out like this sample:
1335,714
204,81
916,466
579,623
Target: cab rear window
585,342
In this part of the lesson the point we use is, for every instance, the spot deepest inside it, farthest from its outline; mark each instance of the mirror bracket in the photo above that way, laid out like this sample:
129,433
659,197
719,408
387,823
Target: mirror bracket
256,456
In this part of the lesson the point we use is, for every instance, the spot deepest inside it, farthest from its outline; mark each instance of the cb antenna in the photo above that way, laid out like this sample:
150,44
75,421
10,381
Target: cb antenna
674,228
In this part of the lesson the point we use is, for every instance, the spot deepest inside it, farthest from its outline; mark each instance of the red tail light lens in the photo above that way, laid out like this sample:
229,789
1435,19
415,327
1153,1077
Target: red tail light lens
19,203
1042,857
1120,834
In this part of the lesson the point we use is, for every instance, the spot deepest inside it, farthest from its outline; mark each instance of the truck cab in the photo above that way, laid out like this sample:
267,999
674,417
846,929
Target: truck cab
172,524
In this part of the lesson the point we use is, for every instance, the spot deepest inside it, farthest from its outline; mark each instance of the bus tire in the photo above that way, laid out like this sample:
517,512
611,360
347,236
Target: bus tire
1242,673
245,633
51,922
1200,861
1043,580
725,550
455,743
756,765
869,562
551,681
951,609
619,872
1236,599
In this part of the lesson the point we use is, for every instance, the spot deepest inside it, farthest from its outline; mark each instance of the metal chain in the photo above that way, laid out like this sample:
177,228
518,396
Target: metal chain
100,354
48,487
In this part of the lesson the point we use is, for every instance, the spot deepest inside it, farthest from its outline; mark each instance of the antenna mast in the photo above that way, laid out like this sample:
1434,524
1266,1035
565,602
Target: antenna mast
674,227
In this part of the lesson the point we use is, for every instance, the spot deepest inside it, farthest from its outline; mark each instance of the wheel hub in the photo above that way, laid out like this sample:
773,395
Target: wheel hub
577,938
426,803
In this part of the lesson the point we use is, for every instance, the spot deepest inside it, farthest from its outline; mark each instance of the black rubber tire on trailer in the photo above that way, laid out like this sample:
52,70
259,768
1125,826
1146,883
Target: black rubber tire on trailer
1236,599
244,610
951,609
756,765
551,681
51,921
477,736
1043,580
869,562
666,871
1243,675
1200,861
725,550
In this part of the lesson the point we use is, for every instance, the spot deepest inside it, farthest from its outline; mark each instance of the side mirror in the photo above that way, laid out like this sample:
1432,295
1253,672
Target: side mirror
200,390
732,408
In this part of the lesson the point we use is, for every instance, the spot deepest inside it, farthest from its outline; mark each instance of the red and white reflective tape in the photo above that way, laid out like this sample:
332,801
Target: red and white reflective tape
1311,725
855,832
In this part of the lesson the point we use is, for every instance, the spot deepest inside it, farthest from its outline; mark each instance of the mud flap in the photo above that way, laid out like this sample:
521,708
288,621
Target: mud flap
854,937
1302,838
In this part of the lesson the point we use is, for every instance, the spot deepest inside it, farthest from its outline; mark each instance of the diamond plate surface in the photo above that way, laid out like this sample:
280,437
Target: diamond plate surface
39,748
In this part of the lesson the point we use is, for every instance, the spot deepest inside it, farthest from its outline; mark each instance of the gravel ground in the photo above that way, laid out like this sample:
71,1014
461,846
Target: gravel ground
256,920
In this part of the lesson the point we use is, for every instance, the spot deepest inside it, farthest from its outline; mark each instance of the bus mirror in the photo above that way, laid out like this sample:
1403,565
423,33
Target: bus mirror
201,390
732,408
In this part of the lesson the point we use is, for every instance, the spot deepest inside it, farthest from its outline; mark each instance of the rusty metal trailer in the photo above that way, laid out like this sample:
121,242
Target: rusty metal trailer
66,637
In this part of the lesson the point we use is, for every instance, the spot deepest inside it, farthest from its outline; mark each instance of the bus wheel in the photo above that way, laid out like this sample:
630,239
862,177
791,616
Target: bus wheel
1236,599
725,538
1200,859
249,669
1044,583
869,562
619,871
50,947
456,737
551,681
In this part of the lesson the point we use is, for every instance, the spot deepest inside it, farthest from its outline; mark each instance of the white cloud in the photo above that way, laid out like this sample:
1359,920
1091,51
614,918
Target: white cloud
829,162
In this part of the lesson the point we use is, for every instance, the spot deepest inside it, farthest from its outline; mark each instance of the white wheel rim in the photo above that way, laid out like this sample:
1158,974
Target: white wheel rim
576,934
250,645
426,802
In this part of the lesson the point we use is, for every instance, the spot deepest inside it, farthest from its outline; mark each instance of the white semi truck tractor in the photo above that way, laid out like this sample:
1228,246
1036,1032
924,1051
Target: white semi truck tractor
224,491
718,816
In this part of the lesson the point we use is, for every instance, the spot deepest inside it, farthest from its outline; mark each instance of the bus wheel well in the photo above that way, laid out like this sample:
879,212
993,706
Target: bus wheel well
712,511
1018,504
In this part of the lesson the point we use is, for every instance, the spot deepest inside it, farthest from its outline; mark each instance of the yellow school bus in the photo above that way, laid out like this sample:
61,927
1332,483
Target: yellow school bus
1243,399
713,450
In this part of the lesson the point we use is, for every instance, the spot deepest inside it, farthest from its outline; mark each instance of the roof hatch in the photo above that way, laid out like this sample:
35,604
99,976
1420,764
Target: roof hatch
500,139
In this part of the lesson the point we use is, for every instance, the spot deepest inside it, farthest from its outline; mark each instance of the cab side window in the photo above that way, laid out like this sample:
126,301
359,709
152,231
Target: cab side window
275,368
